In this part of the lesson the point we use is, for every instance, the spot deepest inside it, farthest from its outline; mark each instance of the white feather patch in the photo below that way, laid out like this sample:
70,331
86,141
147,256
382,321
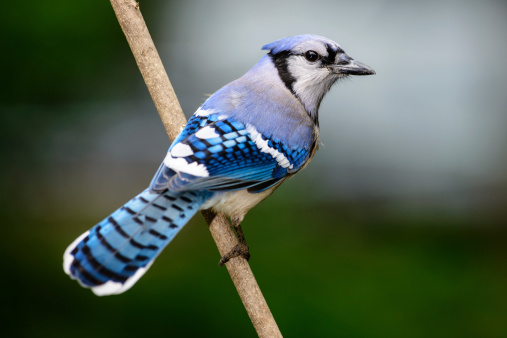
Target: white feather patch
312,82
181,150
181,165
206,132
204,112
68,258
115,288
265,148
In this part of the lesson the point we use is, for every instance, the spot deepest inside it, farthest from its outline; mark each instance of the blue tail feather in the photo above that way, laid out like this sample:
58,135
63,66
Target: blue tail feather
115,253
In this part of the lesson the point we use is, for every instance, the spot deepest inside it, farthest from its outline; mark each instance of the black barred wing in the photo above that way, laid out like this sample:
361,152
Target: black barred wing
227,155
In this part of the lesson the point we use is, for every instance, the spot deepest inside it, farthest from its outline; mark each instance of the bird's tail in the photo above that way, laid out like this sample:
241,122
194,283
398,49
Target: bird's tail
114,254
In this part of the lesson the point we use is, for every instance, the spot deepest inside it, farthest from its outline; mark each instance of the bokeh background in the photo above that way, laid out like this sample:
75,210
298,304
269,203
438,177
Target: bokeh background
396,229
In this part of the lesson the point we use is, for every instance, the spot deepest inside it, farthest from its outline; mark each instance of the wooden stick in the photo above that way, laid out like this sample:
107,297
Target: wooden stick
160,88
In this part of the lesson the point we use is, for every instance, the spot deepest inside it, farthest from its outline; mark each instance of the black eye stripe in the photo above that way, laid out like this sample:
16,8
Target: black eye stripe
280,60
330,58
331,53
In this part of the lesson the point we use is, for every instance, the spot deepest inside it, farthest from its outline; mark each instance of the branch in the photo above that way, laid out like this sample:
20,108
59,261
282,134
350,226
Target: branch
149,63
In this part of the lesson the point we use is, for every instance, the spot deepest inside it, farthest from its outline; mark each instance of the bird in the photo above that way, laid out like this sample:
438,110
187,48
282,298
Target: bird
237,148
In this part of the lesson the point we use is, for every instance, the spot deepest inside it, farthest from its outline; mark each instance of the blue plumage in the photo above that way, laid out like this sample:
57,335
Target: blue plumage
129,239
235,150
232,159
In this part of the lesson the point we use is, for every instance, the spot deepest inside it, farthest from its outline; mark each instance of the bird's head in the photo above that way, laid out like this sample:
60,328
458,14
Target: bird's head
309,65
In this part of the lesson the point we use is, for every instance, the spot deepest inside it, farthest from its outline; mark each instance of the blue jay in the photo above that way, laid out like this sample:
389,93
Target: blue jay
237,148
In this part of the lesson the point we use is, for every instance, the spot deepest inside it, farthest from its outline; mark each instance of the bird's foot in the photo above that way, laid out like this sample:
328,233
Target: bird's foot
241,249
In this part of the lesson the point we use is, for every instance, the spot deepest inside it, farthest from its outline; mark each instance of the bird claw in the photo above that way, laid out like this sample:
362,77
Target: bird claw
240,249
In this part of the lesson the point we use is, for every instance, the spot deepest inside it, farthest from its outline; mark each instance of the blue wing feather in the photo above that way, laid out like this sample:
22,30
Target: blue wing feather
232,159
195,123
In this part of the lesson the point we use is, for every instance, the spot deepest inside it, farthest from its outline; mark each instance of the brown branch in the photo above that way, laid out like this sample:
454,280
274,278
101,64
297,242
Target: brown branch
149,63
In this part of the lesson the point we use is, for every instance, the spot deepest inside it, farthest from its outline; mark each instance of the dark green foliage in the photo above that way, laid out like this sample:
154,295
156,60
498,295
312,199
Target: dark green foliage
322,275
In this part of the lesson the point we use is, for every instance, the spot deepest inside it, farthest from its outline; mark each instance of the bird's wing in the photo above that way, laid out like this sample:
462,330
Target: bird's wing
218,153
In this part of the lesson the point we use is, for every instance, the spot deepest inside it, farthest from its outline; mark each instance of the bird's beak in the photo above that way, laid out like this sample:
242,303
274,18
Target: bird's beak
348,66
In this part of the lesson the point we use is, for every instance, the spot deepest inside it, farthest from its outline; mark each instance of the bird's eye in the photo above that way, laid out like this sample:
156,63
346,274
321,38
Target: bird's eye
312,56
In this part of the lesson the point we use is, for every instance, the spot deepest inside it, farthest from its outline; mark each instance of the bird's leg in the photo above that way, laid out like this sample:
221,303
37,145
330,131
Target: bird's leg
241,249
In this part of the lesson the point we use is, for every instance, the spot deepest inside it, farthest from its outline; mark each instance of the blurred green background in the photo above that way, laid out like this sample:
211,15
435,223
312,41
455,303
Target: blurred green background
397,229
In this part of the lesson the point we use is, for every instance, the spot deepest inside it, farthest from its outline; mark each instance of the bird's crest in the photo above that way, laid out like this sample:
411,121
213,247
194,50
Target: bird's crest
300,43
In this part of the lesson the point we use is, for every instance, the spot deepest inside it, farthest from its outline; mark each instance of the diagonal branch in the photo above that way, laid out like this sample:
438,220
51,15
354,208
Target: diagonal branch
149,63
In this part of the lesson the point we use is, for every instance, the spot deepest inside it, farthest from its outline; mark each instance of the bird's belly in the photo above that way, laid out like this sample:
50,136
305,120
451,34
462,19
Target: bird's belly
236,203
